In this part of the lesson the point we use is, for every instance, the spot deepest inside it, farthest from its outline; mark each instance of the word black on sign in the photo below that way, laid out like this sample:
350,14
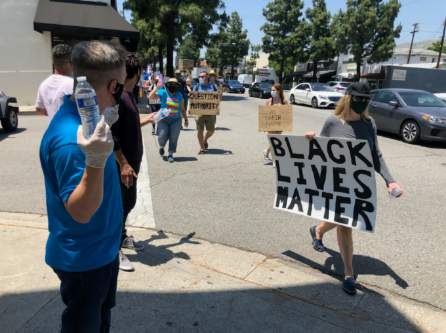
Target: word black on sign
328,179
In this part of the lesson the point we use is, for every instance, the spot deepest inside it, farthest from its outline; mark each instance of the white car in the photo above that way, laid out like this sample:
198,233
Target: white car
314,94
339,86
441,96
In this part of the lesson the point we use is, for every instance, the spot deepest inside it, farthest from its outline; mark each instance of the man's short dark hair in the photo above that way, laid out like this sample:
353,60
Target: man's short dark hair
132,65
61,55
99,61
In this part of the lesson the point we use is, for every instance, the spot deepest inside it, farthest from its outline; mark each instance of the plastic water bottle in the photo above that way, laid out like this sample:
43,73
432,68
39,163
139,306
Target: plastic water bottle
87,105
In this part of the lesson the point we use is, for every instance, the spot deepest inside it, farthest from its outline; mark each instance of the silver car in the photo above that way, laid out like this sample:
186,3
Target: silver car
413,114
9,111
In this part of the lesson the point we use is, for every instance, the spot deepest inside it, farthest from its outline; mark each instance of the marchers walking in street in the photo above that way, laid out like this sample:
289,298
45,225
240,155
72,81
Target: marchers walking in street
351,120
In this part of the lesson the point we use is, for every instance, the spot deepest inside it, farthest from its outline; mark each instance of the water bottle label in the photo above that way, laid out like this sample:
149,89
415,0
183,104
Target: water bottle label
87,102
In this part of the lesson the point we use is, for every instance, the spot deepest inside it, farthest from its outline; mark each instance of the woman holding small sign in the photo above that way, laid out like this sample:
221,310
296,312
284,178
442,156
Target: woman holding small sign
351,120
169,117
277,98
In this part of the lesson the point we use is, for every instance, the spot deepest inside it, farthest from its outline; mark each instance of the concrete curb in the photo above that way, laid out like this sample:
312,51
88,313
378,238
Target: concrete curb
371,310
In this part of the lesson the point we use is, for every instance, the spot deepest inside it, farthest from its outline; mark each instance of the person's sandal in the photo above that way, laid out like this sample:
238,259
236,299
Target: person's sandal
206,145
201,152
317,243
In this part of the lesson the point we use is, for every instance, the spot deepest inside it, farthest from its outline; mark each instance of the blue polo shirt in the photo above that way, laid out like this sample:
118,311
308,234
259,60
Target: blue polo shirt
71,246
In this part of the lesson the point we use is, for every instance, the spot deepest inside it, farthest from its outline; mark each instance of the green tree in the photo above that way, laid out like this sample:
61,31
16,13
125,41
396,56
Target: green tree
236,44
252,61
321,44
189,49
285,37
367,30
435,46
214,54
177,18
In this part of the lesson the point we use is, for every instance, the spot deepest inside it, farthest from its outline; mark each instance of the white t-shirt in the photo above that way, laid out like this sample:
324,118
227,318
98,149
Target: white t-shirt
51,92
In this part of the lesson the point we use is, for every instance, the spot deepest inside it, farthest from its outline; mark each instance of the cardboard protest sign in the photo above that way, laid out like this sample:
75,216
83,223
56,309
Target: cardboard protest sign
328,179
276,118
204,103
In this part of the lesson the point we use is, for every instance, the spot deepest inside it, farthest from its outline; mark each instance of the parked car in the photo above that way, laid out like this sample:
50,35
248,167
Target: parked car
441,96
9,112
413,114
233,86
245,80
261,90
339,86
314,94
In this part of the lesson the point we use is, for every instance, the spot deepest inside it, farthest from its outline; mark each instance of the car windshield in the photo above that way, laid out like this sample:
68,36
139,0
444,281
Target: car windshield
421,99
233,82
266,86
320,87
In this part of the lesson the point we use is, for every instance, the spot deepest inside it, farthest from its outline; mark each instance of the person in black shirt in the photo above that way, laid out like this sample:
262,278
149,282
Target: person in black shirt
129,151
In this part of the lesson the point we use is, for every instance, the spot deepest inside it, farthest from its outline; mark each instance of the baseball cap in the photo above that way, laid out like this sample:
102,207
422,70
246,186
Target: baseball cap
361,89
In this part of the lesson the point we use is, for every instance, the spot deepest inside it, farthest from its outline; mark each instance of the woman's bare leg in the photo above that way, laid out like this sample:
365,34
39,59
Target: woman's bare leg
345,243
322,228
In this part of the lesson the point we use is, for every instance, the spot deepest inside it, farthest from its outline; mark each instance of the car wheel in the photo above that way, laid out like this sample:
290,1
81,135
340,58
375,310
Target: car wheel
11,121
292,100
314,102
410,131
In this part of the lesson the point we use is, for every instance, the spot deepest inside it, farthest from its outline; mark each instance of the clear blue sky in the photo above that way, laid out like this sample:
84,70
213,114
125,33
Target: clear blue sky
428,13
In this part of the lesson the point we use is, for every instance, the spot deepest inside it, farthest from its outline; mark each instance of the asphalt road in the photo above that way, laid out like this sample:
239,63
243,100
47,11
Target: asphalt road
227,195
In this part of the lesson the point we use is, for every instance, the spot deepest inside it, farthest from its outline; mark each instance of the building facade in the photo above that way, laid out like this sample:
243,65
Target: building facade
30,28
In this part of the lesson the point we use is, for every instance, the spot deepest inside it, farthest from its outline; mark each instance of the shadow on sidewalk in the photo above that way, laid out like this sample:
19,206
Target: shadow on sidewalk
233,98
222,129
4,135
181,159
157,255
217,151
363,265
204,309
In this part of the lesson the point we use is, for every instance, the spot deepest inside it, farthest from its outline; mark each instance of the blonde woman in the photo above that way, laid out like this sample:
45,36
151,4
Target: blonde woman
277,97
351,120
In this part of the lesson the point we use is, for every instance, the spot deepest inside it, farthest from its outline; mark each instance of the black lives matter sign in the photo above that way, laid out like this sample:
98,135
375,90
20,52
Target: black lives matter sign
201,104
328,179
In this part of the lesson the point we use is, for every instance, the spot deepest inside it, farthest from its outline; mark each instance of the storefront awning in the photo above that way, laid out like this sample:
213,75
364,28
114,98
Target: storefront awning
86,20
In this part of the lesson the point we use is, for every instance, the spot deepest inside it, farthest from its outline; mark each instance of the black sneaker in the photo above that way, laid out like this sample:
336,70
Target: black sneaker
349,286
317,243
161,151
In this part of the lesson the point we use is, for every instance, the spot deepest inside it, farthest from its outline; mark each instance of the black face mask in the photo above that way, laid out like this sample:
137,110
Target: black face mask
118,92
172,89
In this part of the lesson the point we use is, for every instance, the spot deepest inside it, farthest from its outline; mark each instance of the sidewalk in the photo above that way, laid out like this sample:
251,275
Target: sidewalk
183,284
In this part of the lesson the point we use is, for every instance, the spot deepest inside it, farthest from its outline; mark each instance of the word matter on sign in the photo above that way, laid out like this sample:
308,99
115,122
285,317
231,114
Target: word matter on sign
202,104
276,118
328,179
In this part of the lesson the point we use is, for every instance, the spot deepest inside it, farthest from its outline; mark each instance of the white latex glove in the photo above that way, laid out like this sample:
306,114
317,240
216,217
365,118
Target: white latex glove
98,147
111,115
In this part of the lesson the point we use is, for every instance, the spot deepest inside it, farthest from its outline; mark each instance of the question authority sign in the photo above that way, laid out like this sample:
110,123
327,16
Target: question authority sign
328,179
204,104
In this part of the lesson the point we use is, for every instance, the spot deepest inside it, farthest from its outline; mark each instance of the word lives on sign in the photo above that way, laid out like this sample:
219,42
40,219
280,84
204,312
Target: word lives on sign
276,118
328,179
204,104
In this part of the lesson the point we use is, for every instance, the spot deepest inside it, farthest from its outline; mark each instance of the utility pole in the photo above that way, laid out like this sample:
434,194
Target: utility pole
413,32
441,44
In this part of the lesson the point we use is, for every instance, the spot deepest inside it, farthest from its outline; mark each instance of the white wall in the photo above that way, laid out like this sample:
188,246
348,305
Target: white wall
25,55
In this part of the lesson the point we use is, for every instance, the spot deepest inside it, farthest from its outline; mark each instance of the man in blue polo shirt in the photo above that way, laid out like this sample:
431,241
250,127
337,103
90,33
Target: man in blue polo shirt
206,121
83,196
